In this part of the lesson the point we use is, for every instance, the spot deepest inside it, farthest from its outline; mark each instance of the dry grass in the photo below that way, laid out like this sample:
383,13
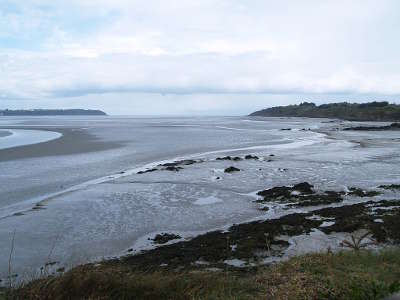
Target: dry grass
346,275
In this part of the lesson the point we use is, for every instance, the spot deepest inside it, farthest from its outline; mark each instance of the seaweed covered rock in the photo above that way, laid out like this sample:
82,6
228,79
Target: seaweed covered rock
287,191
277,192
184,162
393,126
231,169
249,156
351,218
234,158
361,193
317,199
254,241
165,237
301,194
304,188
173,168
390,187
249,241
146,171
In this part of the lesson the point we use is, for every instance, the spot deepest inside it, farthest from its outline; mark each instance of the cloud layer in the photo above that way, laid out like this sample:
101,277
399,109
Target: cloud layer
63,49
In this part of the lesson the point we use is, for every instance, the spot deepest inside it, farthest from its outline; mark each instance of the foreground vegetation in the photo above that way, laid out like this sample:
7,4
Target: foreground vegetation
374,111
345,275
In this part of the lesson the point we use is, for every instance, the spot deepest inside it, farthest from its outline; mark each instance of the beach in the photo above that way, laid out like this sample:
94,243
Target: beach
108,186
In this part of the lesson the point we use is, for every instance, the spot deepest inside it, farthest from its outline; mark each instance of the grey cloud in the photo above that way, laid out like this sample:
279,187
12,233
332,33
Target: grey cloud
197,49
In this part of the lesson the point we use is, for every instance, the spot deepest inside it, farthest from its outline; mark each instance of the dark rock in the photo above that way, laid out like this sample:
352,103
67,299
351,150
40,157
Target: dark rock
347,218
354,217
390,187
361,193
214,247
264,208
393,126
184,162
231,169
165,237
317,199
276,192
224,158
235,158
286,129
39,206
251,157
299,195
304,188
257,237
173,168
146,171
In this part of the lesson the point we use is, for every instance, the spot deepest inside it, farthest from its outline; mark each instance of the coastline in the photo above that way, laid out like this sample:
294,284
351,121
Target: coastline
26,137
39,206
82,142
220,254
214,161
4,133
87,143
217,249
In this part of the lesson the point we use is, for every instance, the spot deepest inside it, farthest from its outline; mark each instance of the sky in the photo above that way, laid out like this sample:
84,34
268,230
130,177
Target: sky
196,57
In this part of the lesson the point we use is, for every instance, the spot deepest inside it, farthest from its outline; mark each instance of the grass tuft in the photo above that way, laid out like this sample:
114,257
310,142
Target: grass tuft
346,275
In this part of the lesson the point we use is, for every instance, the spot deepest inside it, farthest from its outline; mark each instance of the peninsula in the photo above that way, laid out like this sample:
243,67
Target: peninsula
52,112
373,111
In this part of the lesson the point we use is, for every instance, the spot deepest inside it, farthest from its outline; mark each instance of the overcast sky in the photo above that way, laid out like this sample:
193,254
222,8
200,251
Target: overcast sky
196,57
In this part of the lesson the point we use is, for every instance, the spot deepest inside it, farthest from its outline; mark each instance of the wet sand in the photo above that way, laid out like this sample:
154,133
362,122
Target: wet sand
4,133
73,141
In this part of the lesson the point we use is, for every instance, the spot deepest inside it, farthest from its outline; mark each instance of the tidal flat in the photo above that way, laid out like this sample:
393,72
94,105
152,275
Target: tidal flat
154,192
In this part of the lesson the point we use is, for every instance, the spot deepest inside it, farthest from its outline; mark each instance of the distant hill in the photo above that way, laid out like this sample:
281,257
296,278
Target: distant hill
373,111
52,112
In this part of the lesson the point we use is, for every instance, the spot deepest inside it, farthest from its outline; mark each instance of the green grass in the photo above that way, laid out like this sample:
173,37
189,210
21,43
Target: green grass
346,275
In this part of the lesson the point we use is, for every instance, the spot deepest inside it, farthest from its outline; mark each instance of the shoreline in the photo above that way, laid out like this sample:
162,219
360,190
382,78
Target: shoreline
289,235
209,237
83,143
26,137
4,133
41,203
214,247
243,250
43,200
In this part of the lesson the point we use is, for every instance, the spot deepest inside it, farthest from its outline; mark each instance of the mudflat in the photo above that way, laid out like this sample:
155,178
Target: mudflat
73,141
4,133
